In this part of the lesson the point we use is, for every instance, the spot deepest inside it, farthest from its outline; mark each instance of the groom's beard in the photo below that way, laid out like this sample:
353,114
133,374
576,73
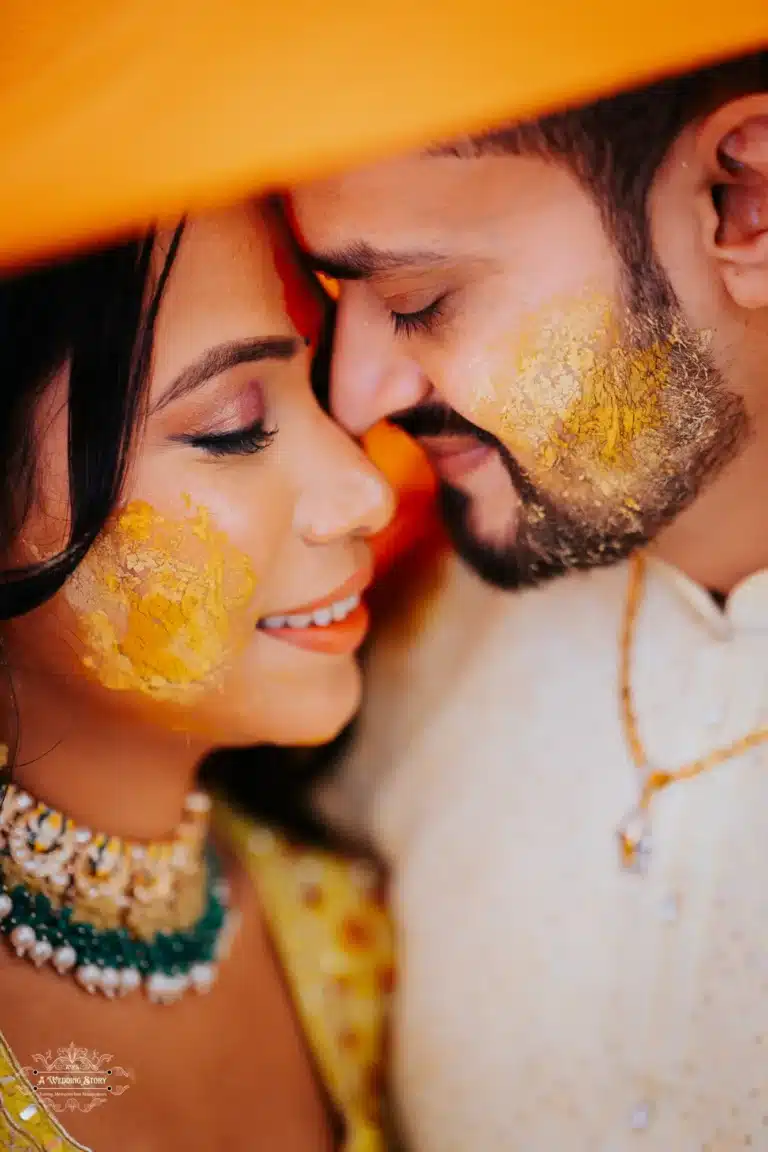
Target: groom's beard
516,533
532,553
536,540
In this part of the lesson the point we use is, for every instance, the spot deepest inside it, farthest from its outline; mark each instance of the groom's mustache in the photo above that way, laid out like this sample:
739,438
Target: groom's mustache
425,420
439,420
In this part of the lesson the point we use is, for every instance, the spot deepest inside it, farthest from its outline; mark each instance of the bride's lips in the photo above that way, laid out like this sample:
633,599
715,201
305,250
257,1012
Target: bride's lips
335,624
454,457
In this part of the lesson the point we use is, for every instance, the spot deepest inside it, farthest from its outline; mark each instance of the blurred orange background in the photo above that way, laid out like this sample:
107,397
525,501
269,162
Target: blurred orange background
416,520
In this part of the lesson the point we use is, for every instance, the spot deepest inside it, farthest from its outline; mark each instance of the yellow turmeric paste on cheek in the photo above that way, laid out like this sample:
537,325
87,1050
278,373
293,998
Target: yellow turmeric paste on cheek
155,601
574,393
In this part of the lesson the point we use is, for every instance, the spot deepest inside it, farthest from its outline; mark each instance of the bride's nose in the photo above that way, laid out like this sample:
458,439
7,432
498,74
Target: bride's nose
352,499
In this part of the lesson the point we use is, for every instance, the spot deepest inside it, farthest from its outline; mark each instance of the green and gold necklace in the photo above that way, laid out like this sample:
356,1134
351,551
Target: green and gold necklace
116,914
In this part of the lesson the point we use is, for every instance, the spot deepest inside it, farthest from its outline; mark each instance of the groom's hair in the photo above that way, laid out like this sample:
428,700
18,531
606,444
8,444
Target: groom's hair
615,146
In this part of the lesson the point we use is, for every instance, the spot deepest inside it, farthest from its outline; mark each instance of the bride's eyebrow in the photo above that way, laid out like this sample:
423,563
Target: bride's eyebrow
223,356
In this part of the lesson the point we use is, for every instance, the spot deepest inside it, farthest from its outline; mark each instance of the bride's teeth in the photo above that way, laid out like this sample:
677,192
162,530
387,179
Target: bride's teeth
298,621
344,607
321,617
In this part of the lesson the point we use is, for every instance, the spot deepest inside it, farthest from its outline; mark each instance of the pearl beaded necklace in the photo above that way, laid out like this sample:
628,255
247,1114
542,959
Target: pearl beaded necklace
117,915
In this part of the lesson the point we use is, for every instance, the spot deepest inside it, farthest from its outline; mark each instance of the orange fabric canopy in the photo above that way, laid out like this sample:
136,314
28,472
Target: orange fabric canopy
113,112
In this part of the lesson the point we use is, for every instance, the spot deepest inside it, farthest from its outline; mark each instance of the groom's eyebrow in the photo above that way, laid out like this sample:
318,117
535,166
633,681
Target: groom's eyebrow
360,261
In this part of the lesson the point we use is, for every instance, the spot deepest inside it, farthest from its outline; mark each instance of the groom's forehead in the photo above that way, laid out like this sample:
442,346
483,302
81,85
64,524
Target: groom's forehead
424,204
374,198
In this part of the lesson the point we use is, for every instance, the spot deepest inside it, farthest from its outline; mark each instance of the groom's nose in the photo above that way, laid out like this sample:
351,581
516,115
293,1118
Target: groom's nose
371,377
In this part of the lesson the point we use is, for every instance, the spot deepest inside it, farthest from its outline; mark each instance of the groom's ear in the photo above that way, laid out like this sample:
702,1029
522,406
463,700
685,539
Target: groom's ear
732,145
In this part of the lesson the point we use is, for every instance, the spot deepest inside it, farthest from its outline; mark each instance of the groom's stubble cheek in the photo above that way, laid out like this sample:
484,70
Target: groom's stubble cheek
609,423
598,407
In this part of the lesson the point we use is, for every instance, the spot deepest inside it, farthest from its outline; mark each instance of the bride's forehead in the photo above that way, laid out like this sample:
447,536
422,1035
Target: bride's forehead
230,236
225,264
232,278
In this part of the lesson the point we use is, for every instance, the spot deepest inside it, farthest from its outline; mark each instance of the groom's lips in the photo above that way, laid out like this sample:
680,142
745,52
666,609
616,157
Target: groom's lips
454,457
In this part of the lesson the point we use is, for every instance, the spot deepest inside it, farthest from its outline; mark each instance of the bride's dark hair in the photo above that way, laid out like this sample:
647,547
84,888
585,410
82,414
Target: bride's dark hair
94,317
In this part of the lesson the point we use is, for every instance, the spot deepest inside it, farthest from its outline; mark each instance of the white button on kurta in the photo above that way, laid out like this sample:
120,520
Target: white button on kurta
640,1117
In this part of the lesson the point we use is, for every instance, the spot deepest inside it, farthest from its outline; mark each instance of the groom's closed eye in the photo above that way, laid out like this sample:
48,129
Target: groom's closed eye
419,320
410,285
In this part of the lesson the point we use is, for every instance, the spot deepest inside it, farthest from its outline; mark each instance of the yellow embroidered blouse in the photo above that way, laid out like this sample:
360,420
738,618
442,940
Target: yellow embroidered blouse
333,939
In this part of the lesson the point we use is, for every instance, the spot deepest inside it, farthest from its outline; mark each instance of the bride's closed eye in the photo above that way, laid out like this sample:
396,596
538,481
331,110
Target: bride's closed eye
216,405
230,425
237,442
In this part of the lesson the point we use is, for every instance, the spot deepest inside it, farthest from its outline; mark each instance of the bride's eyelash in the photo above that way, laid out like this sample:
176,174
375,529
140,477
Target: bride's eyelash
423,320
240,442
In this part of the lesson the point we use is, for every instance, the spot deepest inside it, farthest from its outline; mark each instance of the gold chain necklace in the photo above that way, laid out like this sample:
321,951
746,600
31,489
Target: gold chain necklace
635,830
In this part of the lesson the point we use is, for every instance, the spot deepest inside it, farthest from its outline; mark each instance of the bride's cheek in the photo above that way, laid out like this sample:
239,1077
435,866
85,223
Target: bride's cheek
162,605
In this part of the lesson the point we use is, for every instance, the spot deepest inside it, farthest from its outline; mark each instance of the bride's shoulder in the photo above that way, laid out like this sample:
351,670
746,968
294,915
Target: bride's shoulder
330,896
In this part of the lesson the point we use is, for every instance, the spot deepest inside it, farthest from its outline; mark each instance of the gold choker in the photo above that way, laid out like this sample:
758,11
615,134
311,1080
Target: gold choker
118,913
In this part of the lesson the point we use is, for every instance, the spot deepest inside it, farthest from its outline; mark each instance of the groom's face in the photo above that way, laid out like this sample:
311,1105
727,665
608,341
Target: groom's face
484,307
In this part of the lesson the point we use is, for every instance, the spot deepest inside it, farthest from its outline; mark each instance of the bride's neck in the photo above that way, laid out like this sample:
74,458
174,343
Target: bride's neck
110,771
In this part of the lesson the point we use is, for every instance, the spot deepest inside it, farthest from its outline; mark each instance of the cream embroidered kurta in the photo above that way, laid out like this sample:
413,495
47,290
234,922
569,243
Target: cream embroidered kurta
549,1001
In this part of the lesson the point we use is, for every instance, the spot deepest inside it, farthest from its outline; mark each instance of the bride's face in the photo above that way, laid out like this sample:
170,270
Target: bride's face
221,597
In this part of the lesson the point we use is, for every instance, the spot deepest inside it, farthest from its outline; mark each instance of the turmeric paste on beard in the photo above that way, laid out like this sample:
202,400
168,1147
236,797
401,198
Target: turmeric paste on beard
582,403
155,600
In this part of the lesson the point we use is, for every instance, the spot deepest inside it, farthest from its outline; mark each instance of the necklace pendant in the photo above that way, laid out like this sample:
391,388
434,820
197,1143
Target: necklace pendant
634,837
